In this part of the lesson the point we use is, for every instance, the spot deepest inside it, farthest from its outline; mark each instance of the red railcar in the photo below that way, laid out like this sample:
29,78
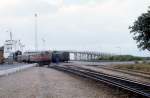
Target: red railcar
40,57
1,55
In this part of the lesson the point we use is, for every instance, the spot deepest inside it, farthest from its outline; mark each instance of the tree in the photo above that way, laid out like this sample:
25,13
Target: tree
141,31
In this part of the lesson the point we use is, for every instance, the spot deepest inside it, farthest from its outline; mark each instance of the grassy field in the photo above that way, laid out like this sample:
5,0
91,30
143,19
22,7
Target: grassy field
121,58
136,67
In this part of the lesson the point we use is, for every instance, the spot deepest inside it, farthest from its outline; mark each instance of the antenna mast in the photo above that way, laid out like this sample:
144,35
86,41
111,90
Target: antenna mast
10,35
36,31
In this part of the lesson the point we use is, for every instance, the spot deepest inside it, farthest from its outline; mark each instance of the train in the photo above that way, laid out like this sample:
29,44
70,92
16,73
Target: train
1,55
59,56
43,57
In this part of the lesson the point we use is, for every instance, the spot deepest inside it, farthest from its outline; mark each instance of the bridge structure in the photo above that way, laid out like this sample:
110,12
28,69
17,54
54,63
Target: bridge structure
87,55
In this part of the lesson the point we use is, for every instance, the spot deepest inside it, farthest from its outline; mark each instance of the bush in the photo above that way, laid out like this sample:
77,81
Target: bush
121,58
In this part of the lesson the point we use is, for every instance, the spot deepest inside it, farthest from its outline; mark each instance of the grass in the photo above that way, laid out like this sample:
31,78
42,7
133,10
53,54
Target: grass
136,67
121,58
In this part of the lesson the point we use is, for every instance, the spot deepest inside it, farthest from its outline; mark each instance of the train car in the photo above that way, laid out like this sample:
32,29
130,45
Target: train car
59,56
41,57
24,57
56,57
1,55
66,56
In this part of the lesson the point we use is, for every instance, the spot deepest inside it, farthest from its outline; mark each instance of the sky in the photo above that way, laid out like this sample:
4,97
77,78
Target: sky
83,25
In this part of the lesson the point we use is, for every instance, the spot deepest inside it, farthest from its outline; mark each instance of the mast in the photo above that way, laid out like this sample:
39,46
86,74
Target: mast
36,32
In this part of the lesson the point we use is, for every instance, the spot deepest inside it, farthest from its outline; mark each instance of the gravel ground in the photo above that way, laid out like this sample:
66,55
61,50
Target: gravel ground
120,74
111,72
49,83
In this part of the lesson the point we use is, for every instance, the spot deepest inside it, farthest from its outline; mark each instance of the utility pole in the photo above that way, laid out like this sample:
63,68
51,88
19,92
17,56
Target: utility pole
36,32
11,39
10,35
43,40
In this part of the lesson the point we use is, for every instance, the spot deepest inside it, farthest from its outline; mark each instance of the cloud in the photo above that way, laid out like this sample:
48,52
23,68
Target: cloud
100,25
25,8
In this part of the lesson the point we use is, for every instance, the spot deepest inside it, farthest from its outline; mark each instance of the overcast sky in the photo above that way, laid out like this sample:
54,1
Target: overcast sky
94,25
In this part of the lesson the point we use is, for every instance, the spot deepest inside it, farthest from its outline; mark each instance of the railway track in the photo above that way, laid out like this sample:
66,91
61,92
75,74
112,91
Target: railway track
135,73
123,83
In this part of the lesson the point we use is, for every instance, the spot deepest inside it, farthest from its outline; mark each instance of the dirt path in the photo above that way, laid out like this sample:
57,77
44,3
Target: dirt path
49,83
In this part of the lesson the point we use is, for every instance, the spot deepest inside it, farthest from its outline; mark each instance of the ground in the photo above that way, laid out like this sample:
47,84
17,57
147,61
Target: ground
9,66
145,68
48,83
99,67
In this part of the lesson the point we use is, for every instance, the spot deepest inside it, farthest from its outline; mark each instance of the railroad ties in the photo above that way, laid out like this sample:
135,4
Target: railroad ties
136,87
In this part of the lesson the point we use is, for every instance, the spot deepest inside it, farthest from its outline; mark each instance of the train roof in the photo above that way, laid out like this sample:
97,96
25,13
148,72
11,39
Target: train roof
35,52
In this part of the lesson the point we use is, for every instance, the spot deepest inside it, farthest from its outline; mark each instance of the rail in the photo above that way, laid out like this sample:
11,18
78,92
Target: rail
126,84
